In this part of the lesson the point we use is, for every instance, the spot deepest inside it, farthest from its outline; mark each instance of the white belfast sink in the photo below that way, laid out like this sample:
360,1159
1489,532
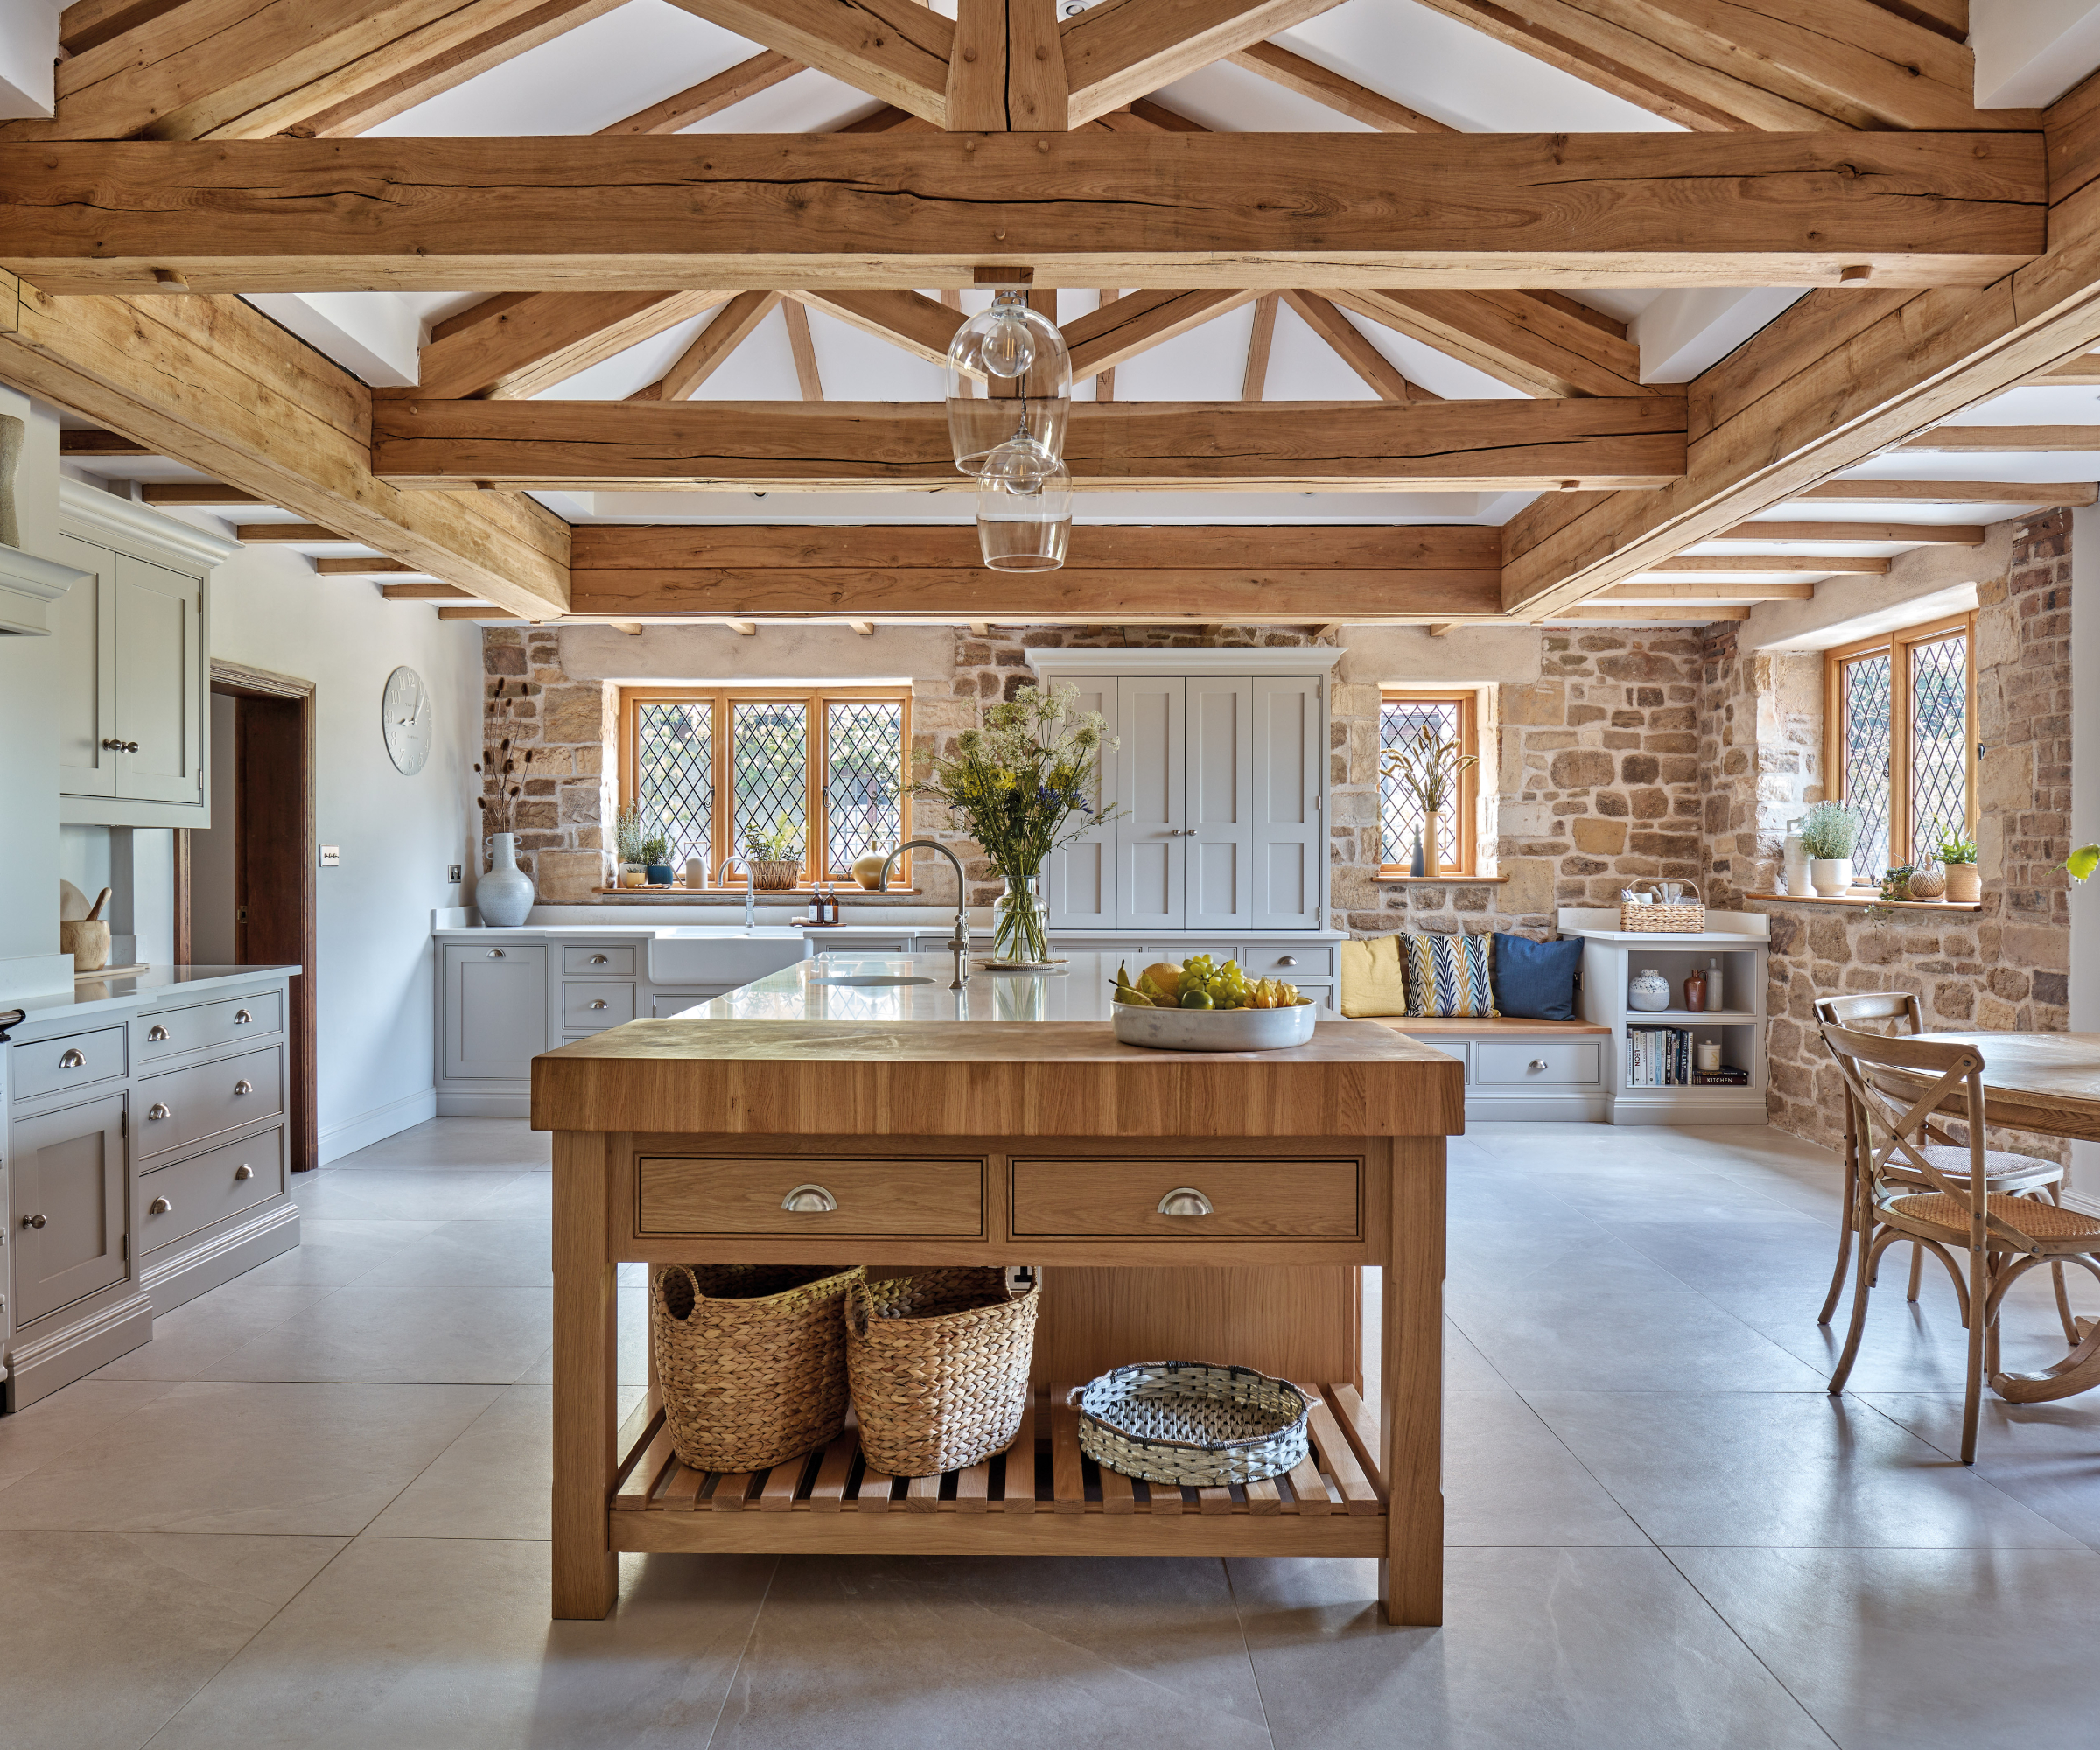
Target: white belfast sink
711,954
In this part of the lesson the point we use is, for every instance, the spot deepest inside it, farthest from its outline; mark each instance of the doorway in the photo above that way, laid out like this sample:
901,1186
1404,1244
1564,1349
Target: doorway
247,887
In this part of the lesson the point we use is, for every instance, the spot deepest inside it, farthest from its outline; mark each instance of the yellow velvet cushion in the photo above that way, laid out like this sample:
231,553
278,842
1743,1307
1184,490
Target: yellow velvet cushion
1373,977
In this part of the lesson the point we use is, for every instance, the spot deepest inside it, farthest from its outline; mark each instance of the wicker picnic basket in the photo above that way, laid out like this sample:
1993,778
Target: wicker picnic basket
751,1360
1193,1423
938,1365
1660,920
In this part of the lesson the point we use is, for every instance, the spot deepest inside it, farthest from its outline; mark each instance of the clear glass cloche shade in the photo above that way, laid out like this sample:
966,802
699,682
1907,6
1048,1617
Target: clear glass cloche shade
1009,376
1024,508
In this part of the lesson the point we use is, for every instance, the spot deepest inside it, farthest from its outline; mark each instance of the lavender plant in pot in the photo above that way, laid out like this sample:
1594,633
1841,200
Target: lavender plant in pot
1828,832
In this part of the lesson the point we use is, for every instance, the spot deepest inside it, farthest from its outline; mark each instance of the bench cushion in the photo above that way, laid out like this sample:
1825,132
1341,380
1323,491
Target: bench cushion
1447,975
1536,979
1373,980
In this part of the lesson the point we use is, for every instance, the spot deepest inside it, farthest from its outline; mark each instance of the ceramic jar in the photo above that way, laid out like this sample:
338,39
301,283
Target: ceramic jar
1648,990
1794,871
504,895
1831,876
867,870
1695,990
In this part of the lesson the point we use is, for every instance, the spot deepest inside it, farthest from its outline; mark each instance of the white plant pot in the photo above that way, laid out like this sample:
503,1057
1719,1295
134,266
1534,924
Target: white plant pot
504,895
1831,876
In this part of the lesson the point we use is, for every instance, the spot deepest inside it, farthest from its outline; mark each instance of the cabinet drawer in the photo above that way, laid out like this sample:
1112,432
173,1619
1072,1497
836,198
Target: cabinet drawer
208,1188
903,1197
601,962
1545,1062
1293,965
593,1006
1253,1200
186,1105
234,1021
55,1066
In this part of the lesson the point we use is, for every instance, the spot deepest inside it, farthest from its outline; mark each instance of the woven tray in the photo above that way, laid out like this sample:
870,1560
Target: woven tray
1193,1423
1657,919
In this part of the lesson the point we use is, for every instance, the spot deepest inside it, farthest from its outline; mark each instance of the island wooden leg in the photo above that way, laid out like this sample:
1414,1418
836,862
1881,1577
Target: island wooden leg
587,1397
1411,1395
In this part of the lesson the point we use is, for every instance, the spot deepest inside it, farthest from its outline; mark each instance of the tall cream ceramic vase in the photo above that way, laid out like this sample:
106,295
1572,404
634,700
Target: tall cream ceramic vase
1965,883
504,895
1432,837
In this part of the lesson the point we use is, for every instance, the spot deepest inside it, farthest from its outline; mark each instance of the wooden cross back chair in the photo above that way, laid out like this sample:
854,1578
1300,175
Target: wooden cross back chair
1942,1196
2028,1175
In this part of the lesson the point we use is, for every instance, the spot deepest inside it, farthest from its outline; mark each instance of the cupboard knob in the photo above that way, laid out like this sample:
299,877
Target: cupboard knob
156,1034
244,1086
1185,1200
33,1220
244,1171
599,960
1537,1063
599,1003
117,746
160,1108
242,1018
809,1200
72,1059
160,1206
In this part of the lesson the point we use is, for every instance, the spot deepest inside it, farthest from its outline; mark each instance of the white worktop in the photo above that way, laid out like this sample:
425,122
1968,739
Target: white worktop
139,990
1079,993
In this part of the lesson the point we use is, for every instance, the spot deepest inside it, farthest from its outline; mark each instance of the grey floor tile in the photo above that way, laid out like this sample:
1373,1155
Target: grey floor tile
1541,1649
1774,1252
472,1145
1919,1649
192,1339
1624,1342
139,1624
409,1644
334,1251
1780,1470
953,1653
2045,1455
1572,1257
86,1413
516,1250
459,1334
387,1194
1508,1480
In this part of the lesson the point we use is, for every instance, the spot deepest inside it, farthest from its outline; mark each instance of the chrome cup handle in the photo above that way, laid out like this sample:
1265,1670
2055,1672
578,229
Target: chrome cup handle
809,1200
1185,1200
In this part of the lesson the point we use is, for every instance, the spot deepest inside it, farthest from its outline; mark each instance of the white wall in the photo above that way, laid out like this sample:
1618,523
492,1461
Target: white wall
29,735
212,853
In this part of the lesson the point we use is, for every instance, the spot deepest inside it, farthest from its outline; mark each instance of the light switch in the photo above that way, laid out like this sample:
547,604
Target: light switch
331,856
455,871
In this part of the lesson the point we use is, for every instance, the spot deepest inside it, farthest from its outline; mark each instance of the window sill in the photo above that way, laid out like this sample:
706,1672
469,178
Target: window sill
1387,877
853,894
1862,901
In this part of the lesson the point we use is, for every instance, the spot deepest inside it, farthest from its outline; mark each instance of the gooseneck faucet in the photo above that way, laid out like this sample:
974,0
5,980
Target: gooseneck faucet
959,943
751,890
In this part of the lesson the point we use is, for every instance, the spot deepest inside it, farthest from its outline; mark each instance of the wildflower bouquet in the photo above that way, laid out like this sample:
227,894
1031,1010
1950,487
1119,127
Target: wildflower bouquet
1023,786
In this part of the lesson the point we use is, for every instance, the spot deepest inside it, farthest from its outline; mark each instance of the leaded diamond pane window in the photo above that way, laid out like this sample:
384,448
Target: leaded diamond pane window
1407,720
769,775
1867,741
675,772
863,752
1939,742
1900,729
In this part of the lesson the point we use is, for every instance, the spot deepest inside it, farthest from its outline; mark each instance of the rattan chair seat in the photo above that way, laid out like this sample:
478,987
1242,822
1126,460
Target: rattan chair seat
2000,1165
2028,1215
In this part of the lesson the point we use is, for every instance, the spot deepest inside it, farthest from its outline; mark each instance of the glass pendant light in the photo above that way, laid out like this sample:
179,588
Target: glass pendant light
1009,376
1023,508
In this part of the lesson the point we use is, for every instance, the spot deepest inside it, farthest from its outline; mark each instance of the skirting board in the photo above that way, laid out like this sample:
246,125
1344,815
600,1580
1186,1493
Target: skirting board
222,1259
41,1368
378,1124
2086,1202
482,1102
1571,1108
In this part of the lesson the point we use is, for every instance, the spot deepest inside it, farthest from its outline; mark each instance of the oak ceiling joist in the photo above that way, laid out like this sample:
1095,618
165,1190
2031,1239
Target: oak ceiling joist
895,50
1006,73
1911,534
216,385
2037,440
1266,211
1119,574
696,102
1338,92
1127,49
1669,594
1515,337
1833,381
1766,564
1951,492
515,345
777,446
1733,65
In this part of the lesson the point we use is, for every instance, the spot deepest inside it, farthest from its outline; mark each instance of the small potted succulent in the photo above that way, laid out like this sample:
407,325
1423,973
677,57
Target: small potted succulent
657,859
1895,885
1829,831
1964,881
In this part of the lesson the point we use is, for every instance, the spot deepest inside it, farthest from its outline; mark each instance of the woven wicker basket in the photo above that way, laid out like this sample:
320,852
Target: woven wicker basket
938,1365
775,874
1193,1423
1660,920
751,1360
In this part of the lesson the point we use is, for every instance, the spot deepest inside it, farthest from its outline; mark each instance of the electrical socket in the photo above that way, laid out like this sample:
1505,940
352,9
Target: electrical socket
455,871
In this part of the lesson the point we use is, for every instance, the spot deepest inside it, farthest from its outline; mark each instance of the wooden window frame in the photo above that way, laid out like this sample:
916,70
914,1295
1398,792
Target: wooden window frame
816,701
1468,701
1897,645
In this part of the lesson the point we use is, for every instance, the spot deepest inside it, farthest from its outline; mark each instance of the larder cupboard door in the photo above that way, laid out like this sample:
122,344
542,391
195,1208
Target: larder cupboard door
1219,802
159,683
85,650
70,1215
1079,880
495,1010
1289,828
1149,787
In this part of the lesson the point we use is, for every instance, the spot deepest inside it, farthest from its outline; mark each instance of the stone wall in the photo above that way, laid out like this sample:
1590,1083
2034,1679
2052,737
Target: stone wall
561,818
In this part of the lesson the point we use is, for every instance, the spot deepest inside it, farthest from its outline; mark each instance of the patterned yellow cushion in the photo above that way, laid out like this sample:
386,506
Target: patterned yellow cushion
1373,980
1447,975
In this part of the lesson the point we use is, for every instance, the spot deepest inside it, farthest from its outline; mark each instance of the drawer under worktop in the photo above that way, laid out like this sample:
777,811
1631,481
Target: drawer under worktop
187,1105
235,1020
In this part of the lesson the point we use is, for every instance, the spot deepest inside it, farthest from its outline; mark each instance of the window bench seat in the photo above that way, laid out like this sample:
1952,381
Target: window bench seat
1520,1069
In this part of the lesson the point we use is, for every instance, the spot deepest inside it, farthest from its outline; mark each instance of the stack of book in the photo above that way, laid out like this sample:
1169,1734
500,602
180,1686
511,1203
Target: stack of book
1661,1057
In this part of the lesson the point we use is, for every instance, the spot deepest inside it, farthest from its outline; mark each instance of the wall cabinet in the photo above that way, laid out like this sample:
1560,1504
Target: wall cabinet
1218,788
132,643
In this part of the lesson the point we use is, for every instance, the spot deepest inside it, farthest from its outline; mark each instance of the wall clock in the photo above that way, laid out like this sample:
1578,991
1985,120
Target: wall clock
406,718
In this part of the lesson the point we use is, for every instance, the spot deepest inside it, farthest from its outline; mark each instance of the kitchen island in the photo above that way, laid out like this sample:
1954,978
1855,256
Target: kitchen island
1004,1124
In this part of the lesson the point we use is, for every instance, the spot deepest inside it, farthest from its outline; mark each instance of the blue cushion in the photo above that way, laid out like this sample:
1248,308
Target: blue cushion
1535,980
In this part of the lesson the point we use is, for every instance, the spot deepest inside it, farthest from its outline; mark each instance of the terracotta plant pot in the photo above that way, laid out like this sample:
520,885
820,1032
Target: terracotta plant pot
1965,883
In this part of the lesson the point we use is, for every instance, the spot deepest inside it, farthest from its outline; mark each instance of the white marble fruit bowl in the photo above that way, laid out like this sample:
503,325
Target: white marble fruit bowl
1214,1029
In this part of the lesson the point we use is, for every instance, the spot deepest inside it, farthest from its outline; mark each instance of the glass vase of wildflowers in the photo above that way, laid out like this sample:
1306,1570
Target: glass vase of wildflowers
1022,786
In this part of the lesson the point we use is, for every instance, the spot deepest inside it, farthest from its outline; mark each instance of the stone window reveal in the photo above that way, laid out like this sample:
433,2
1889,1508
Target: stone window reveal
1407,715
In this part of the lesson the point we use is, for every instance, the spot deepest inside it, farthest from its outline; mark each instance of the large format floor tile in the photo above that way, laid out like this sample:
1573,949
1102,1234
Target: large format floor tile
335,1251
459,1334
2044,1455
1624,1342
85,1414
474,1144
1509,1479
401,1193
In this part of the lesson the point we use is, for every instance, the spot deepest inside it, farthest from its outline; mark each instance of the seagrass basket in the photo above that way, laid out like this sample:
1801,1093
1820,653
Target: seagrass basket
1193,1423
751,1360
775,874
1658,919
938,1365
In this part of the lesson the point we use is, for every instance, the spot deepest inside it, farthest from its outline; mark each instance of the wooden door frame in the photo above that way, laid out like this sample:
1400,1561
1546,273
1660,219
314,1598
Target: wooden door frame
301,884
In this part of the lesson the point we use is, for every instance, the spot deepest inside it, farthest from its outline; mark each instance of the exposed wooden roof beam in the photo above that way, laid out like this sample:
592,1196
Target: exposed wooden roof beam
919,324
895,50
1585,614
1918,534
2040,440
416,592
78,444
1951,491
804,350
88,24
714,343
1323,85
290,535
1125,326
2085,368
1255,384
1355,351
1669,594
651,214
204,493
1446,445
696,102
1126,50
1006,71
366,568
1515,337
1768,565
515,345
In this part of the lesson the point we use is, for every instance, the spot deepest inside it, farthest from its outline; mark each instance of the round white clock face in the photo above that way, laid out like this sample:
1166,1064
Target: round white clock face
405,716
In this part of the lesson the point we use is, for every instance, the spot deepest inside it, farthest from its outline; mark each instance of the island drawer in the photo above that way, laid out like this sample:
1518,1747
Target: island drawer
186,1105
168,1030
49,1065
900,1197
1250,1198
590,960
179,1200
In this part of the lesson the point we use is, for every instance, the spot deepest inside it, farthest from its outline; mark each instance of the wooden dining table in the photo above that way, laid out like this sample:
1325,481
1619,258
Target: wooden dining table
2048,1084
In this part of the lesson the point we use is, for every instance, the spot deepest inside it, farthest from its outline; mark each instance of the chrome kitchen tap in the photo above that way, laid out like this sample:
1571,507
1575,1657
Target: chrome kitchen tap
751,890
959,943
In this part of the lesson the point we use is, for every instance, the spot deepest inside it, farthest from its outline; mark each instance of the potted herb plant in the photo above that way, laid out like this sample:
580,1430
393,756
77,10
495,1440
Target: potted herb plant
629,835
1964,881
1828,832
1429,765
657,859
773,857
